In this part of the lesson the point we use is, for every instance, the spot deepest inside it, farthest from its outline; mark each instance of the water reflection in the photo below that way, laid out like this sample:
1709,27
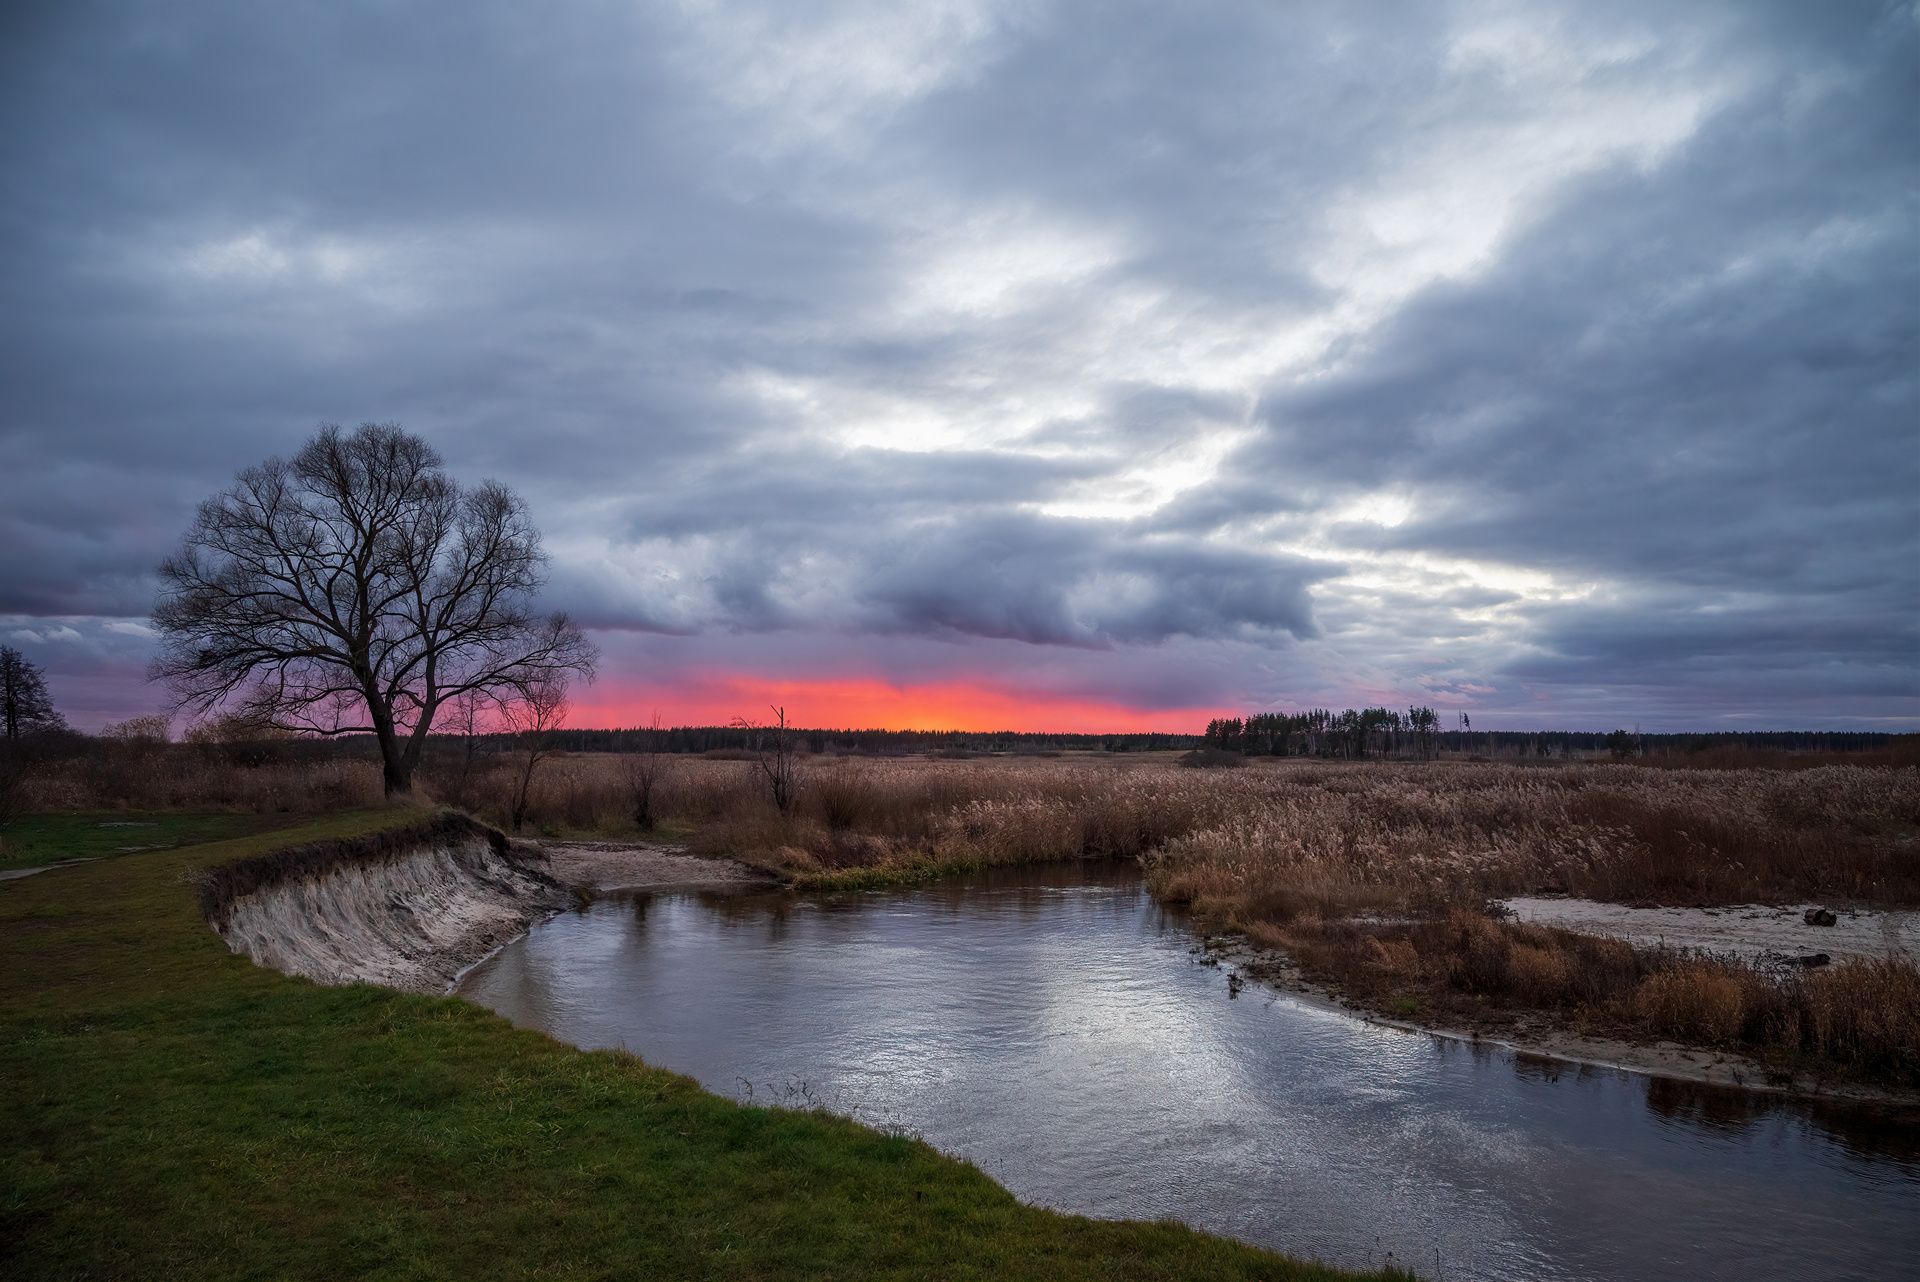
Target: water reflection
1051,1026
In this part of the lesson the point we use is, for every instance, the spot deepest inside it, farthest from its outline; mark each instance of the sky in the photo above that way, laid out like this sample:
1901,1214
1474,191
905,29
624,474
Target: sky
1070,366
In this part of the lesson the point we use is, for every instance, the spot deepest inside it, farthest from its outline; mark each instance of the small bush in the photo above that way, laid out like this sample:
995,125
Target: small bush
1695,1003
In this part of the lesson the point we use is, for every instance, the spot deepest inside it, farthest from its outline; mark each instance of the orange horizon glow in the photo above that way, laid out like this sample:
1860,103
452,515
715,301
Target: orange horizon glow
870,704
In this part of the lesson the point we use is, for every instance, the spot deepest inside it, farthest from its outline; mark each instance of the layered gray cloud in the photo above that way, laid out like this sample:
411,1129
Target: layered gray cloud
1552,361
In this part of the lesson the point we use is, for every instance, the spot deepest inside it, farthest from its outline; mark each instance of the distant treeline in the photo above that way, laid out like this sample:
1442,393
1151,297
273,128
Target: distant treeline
1320,732
1367,732
702,739
1417,732
1353,734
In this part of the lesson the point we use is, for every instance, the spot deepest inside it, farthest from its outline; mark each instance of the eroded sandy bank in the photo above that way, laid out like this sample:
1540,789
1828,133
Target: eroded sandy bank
408,909
413,907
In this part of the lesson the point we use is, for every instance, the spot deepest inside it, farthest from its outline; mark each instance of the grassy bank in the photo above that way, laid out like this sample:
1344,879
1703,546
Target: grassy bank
33,840
172,1111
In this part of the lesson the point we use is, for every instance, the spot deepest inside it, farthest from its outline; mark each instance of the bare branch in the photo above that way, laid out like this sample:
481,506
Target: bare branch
356,588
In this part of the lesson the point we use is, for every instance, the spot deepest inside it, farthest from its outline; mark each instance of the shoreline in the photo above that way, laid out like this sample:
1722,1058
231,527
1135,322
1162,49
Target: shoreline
452,1142
417,907
587,868
1672,1061
606,868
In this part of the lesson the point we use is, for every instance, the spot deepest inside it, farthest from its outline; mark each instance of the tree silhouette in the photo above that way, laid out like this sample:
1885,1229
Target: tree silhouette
355,589
24,703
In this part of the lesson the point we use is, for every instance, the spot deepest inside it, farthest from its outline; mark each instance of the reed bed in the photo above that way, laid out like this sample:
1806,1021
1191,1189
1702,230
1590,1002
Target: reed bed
281,779
1280,839
1859,1019
1376,877
1270,841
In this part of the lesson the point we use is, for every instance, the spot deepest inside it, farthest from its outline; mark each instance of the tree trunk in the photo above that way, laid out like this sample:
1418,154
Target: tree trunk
396,769
521,792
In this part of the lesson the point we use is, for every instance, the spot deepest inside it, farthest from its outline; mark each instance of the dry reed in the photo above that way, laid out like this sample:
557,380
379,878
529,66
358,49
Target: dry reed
1375,876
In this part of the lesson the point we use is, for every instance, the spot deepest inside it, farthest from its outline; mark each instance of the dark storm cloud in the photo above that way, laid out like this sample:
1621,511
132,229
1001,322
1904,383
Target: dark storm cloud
1701,375
1076,583
1559,360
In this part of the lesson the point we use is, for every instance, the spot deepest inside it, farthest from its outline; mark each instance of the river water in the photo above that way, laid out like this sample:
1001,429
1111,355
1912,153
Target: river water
1054,1027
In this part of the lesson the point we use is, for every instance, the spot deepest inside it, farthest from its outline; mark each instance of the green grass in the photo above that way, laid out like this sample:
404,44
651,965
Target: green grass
32,840
172,1111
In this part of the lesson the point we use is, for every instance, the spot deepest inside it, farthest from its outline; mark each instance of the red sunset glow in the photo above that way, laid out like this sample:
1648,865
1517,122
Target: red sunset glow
866,703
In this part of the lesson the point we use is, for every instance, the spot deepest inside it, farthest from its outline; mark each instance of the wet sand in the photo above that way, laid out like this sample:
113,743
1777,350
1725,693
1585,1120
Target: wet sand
608,866
1755,932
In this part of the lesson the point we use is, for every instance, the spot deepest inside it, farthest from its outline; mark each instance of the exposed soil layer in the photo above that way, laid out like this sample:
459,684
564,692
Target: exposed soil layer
414,907
412,920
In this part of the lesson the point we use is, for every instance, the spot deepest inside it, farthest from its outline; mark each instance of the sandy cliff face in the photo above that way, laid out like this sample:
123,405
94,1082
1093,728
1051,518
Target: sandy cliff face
408,909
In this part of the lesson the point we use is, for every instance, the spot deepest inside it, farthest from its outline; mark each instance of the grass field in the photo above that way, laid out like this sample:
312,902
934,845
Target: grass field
172,1111
33,840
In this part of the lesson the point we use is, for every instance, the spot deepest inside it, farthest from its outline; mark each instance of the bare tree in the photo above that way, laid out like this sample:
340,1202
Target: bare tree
236,740
644,770
154,728
466,718
24,703
354,589
531,712
774,751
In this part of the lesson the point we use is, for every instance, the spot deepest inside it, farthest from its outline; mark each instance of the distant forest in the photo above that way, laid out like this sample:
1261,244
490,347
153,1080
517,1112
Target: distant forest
1350,734
1357,733
702,739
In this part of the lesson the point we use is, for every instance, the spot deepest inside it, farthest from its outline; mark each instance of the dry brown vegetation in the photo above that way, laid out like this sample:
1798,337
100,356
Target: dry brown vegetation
1462,967
256,778
1375,877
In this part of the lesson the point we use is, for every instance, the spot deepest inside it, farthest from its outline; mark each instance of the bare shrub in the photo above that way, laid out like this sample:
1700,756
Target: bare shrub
531,712
1865,1014
776,752
644,773
151,729
1696,1002
843,798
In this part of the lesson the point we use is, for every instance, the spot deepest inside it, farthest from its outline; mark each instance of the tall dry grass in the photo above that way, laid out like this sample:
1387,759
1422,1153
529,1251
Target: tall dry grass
1395,838
134,775
1273,840
1375,876
1860,1018
1379,836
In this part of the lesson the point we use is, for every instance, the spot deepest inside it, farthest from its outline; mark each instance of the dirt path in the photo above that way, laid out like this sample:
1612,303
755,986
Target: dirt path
14,874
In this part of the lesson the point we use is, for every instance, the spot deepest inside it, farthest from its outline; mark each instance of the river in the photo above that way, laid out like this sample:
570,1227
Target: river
1054,1026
